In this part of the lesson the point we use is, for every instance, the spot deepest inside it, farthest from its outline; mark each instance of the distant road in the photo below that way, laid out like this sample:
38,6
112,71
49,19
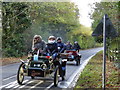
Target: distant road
9,74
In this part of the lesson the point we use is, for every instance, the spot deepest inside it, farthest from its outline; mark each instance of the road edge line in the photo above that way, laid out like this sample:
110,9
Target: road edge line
74,81
71,82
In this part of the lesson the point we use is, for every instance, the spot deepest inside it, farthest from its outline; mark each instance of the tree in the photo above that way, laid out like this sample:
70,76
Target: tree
108,8
15,21
21,21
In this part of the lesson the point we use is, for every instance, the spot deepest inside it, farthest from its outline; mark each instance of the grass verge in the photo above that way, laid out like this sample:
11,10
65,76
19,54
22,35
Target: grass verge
91,77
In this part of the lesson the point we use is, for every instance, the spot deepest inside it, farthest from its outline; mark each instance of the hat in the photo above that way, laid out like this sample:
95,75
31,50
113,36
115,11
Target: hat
75,42
59,38
51,37
37,36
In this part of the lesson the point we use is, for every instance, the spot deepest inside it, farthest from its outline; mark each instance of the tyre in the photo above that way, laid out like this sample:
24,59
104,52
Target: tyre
78,62
63,78
32,77
56,76
20,74
63,70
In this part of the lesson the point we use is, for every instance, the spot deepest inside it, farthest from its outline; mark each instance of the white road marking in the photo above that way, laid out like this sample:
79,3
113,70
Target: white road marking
49,86
66,84
15,85
7,84
9,77
11,84
35,85
25,85
75,77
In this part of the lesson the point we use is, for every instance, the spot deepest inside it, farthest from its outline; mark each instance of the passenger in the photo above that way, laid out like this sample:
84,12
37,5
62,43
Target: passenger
68,46
76,46
38,44
61,48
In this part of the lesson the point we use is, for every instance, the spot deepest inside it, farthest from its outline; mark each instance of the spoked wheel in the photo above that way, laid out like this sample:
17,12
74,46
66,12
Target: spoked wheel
20,74
56,76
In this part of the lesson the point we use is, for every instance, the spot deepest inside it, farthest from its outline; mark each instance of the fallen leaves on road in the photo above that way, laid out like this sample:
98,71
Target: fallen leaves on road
11,60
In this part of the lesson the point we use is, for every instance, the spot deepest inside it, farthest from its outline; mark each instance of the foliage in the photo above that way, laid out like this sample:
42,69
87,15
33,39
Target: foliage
82,34
105,8
54,18
15,21
21,21
108,8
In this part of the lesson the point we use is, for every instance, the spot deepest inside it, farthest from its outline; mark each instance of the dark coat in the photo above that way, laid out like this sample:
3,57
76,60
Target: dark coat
68,47
51,48
61,47
76,46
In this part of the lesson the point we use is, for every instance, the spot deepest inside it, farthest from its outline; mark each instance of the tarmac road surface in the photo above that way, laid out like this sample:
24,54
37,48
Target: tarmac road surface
9,75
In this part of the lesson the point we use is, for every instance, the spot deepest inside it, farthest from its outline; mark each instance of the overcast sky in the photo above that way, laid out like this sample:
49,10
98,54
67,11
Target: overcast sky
85,9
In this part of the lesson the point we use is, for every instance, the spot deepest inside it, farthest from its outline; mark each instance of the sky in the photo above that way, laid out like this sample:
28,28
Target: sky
84,10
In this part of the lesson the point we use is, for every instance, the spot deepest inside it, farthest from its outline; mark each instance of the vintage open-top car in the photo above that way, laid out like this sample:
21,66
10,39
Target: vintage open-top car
71,55
38,66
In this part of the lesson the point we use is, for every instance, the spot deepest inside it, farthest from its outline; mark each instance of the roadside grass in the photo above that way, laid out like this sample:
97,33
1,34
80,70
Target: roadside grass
91,77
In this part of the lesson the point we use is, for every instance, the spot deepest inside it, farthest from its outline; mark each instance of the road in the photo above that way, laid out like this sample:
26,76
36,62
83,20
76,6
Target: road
9,75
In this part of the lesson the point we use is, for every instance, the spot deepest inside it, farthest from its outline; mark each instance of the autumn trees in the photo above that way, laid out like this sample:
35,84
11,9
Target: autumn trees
22,20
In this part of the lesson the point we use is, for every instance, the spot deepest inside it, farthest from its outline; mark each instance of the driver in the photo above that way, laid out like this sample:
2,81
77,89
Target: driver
51,47
52,50
38,45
